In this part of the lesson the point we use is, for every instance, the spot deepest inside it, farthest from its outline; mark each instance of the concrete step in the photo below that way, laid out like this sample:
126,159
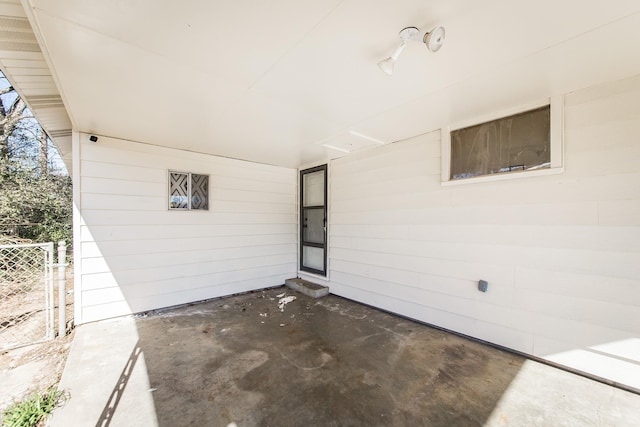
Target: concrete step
305,287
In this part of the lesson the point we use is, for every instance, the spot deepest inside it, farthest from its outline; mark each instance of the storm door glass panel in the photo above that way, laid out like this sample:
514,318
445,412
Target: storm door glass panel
199,191
313,183
178,190
313,229
313,258
313,220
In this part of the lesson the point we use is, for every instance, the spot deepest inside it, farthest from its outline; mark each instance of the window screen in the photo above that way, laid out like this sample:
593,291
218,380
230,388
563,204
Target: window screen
515,143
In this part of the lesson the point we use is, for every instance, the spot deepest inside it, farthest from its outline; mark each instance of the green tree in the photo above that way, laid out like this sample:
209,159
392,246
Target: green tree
35,195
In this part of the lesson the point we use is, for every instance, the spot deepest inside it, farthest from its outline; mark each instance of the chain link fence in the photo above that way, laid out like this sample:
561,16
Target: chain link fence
26,294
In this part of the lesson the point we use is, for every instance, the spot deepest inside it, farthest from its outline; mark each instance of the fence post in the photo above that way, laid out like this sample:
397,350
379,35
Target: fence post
62,303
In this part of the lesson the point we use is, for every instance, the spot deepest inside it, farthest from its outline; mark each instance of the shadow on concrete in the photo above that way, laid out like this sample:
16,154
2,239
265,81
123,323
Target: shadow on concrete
329,362
114,399
318,362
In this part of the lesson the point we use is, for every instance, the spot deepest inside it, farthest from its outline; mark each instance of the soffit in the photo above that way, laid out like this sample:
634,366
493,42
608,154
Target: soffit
284,82
24,65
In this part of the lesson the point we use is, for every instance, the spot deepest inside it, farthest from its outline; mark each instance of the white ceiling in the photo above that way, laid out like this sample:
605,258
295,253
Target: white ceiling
279,81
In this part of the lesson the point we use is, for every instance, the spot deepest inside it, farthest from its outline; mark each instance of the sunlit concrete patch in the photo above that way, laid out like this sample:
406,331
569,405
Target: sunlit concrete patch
106,378
540,395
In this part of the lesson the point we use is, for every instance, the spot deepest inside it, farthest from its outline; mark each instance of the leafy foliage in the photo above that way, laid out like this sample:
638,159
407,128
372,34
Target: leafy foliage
35,195
30,411
32,206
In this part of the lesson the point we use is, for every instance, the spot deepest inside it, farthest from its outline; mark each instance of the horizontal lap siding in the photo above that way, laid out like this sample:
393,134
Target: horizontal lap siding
136,255
561,252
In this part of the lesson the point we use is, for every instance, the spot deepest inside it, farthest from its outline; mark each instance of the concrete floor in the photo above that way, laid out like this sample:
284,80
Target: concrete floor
326,362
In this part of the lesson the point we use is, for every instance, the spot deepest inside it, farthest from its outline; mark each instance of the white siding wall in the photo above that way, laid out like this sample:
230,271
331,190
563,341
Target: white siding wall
561,253
135,255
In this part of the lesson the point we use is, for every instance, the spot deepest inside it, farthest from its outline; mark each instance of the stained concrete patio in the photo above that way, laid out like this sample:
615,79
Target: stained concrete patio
326,362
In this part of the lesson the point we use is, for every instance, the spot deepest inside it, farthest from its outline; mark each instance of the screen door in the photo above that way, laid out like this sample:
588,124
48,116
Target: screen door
313,220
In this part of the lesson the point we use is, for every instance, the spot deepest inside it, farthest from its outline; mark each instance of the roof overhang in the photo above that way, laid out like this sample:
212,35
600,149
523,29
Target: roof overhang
295,83
24,64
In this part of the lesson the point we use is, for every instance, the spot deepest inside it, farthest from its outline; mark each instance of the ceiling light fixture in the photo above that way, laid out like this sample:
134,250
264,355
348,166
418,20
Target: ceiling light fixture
433,39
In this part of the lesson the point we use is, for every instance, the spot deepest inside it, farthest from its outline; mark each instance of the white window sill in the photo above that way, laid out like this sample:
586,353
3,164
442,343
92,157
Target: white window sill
504,176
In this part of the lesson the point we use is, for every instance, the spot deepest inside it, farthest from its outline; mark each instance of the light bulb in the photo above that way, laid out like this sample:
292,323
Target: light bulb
386,65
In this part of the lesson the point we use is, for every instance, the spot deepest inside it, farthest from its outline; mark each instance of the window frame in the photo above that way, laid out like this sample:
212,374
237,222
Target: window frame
189,190
556,143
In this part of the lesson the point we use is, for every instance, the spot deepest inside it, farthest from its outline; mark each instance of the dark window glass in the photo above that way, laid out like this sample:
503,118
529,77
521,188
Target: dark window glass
520,142
199,191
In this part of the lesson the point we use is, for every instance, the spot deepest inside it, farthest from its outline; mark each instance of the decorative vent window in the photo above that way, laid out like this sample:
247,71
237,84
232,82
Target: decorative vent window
521,142
188,191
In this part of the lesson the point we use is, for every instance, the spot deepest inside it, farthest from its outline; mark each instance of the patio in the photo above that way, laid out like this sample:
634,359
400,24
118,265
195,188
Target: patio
329,361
